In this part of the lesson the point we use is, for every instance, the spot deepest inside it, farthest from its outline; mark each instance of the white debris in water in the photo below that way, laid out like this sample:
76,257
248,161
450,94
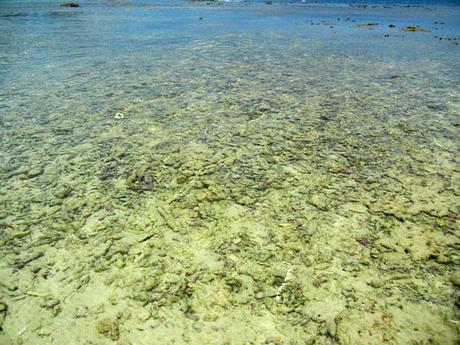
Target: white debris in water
283,286
21,332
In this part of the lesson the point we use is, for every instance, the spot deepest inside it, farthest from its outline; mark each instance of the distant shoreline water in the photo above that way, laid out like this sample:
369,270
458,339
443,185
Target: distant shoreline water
313,2
407,3
332,2
357,3
349,2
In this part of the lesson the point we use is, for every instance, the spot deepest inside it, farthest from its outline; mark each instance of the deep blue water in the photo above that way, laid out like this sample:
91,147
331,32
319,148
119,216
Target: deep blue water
370,2
385,2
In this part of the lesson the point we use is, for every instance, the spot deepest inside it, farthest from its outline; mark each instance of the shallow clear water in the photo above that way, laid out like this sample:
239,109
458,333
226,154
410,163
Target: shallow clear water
228,173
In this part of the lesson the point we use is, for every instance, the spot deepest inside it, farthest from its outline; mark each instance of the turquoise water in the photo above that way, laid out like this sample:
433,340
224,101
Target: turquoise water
231,173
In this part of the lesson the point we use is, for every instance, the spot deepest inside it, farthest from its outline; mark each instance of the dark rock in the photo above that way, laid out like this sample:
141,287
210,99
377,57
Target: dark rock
70,4
412,29
3,311
366,25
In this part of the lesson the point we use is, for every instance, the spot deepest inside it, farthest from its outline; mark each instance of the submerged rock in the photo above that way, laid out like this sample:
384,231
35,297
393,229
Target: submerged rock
412,29
70,4
455,279
366,25
44,332
108,328
34,172
3,310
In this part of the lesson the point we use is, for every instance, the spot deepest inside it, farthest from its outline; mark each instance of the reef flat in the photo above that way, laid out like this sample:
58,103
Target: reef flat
229,174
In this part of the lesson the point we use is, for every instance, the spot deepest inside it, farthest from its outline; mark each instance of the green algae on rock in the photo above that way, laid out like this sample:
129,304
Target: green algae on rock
108,328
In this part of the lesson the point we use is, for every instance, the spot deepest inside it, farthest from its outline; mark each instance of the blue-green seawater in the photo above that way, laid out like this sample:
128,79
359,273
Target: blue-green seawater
229,173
